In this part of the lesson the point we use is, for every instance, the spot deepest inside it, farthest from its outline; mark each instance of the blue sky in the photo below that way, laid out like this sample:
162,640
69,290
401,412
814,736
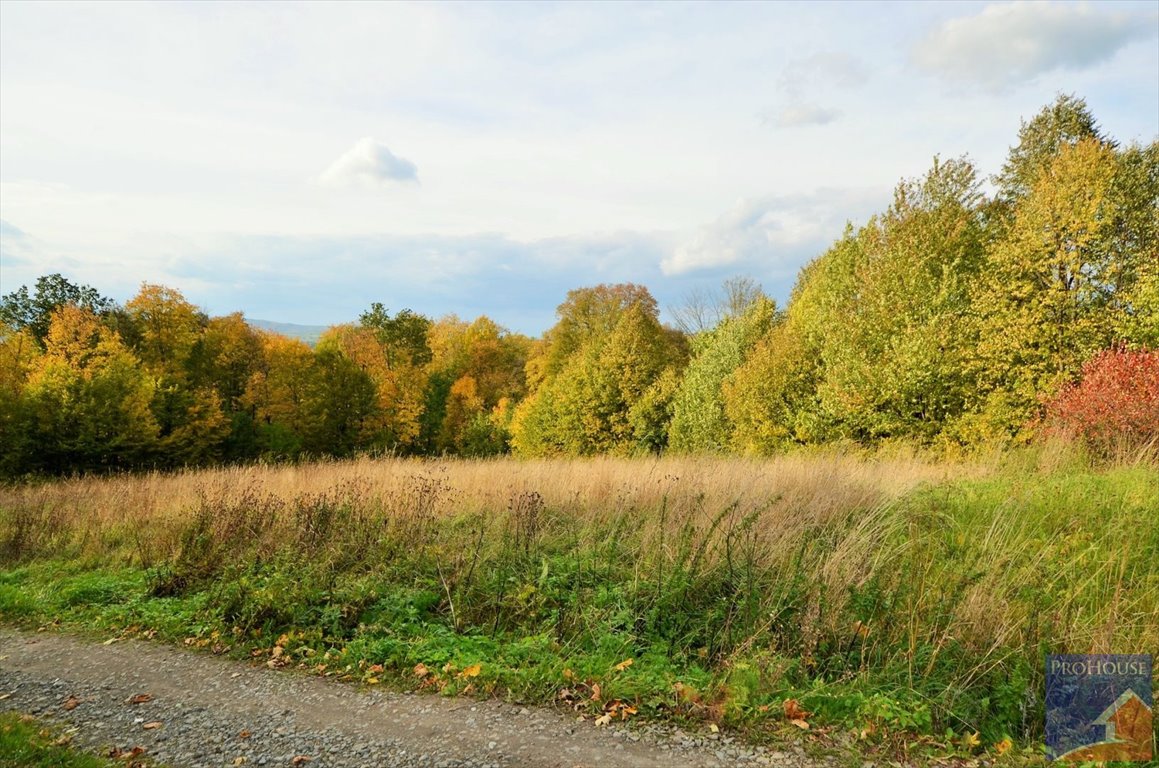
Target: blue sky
298,161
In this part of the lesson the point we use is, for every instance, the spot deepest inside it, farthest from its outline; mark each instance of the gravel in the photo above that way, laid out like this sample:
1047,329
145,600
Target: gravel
205,712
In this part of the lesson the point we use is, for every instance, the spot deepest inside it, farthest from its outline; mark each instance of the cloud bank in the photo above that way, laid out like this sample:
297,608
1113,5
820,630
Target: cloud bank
1012,43
773,234
369,163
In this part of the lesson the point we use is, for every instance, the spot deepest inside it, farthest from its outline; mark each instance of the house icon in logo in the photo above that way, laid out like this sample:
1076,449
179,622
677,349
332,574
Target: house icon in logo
1126,735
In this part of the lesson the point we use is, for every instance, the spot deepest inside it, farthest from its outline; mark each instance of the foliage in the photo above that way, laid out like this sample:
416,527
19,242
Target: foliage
21,310
584,403
699,422
88,398
1114,407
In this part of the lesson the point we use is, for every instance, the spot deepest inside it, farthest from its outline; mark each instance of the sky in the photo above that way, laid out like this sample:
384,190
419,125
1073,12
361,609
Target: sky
299,161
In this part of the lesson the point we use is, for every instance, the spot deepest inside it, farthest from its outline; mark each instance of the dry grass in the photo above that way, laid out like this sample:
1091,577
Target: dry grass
793,493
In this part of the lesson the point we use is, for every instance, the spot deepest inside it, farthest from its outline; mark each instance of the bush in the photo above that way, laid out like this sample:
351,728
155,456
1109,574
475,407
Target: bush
1114,407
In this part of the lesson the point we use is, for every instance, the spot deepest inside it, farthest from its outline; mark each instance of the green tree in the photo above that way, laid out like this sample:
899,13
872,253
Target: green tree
699,422
1064,123
1047,296
895,362
585,406
33,311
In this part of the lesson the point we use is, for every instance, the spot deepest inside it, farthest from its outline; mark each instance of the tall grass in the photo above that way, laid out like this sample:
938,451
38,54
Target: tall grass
897,592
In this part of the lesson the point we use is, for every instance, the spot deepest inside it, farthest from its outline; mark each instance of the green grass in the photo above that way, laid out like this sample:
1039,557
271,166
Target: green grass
927,616
28,743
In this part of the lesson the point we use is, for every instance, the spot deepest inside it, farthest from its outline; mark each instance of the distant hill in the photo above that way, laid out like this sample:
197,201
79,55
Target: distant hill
307,333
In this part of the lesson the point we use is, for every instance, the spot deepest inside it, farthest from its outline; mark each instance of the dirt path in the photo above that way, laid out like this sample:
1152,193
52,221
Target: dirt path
209,711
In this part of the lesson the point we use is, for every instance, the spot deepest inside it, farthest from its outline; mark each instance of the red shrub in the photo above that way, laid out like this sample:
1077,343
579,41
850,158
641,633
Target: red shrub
1114,406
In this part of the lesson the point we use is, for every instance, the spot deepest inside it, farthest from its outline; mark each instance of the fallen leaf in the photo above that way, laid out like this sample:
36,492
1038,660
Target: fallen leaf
624,665
375,669
472,671
110,641
277,651
244,735
794,711
71,703
63,741
239,761
152,726
568,674
714,727
603,720
970,740
800,724
421,670
595,691
300,760
372,681
1003,746
141,698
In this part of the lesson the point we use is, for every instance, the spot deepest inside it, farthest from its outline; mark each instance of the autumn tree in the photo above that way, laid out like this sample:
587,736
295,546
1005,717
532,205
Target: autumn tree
702,310
699,422
477,370
225,356
1046,300
89,398
167,330
19,353
584,401
277,395
895,360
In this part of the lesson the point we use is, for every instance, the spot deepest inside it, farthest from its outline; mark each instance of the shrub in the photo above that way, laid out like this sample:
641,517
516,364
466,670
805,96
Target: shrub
1115,404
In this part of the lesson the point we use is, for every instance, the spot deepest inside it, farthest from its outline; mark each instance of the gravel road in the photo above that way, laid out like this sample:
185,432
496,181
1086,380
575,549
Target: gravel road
206,712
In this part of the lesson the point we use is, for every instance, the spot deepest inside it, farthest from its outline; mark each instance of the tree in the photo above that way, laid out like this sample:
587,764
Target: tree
585,405
21,310
699,422
277,395
1046,300
1064,123
895,358
475,367
586,314
168,329
223,360
403,337
89,397
19,353
704,310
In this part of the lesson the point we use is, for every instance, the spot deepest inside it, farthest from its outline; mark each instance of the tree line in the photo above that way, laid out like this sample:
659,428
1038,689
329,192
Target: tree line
950,317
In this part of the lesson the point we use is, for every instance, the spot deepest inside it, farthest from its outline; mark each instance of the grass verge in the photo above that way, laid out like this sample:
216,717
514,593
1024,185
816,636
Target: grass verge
25,742
890,604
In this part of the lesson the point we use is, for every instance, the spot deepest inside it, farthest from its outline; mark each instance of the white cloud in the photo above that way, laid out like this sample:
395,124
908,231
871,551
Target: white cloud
803,79
369,163
777,232
804,114
822,69
1011,43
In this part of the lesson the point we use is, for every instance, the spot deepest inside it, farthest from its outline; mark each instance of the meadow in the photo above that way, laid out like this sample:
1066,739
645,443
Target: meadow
885,598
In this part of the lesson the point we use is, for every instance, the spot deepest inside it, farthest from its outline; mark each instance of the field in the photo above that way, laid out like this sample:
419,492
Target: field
886,599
